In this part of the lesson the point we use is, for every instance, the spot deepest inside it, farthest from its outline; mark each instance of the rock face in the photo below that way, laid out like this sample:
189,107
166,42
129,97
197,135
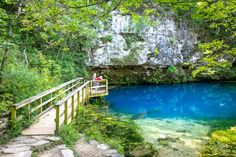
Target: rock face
139,74
123,42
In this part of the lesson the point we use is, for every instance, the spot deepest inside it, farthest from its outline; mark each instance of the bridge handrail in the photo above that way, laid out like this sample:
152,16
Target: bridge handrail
68,96
36,97
77,97
72,84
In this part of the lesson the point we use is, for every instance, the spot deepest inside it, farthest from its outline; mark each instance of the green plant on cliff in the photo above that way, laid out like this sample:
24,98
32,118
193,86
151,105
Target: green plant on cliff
107,38
171,69
156,51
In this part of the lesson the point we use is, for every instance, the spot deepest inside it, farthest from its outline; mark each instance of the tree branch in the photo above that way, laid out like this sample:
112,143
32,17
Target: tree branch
88,5
115,7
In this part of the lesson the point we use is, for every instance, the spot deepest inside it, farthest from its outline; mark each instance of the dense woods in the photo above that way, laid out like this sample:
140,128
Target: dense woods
44,42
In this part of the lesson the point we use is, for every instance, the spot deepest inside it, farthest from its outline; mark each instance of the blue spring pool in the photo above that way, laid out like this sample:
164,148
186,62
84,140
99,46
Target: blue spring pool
191,100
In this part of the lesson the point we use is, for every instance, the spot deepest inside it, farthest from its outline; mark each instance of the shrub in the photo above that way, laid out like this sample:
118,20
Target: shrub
69,134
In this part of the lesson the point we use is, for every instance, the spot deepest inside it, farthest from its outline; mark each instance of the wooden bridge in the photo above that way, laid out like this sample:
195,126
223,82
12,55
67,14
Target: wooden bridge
56,107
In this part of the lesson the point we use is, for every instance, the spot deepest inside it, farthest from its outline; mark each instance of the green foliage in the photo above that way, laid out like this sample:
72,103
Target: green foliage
156,51
213,64
69,134
121,134
107,38
171,69
22,82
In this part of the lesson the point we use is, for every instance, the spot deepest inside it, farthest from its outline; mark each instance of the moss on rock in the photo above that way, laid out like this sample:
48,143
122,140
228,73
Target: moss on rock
221,143
125,75
226,136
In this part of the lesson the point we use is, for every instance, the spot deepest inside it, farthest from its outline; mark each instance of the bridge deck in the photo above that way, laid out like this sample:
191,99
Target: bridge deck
45,125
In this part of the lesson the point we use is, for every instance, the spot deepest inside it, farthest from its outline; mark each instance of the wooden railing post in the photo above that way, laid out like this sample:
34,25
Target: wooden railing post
57,107
40,102
72,107
106,86
29,108
87,94
91,85
78,97
13,114
65,112
82,100
50,104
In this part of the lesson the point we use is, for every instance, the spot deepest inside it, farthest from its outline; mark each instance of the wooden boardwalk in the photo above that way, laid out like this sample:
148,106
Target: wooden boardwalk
53,114
45,125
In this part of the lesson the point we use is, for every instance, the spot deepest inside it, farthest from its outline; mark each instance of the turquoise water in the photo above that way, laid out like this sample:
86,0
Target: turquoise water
190,101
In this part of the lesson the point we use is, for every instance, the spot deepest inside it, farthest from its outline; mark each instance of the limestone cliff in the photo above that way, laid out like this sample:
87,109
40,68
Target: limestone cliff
122,42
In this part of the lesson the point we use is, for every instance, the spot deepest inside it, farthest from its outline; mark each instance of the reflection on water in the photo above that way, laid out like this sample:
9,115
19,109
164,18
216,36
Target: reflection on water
173,116
191,101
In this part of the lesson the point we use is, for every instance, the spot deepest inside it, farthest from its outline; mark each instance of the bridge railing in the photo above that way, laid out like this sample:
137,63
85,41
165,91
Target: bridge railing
42,102
66,108
98,88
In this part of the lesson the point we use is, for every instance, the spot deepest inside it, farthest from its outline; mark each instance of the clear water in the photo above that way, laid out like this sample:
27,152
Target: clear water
190,101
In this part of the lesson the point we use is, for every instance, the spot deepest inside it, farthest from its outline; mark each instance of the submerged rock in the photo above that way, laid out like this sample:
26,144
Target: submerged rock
215,148
222,143
167,140
174,137
143,151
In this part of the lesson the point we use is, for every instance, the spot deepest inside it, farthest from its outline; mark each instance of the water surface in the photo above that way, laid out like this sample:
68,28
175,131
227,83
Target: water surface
177,118
191,100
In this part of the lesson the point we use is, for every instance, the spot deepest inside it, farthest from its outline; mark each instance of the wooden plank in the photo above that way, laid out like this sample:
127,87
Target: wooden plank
98,95
102,86
45,125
